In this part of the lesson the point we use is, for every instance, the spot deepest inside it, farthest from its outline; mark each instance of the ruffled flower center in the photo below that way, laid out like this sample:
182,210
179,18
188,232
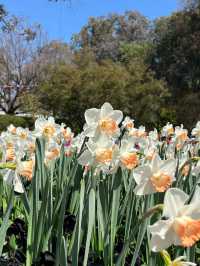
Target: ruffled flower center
26,169
129,160
108,126
188,230
49,130
161,181
170,131
10,152
23,135
104,155
52,154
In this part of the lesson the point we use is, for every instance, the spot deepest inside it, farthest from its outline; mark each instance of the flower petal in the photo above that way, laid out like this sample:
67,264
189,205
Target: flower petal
144,188
92,115
174,200
142,173
117,115
106,110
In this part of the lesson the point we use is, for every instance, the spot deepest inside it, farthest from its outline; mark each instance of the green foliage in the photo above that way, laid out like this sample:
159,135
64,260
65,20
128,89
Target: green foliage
69,90
18,121
177,50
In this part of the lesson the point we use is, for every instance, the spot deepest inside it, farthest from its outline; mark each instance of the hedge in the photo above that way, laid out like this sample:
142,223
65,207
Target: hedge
18,121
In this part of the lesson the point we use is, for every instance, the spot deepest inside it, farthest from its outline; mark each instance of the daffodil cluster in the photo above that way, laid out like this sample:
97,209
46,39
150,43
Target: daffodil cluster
157,161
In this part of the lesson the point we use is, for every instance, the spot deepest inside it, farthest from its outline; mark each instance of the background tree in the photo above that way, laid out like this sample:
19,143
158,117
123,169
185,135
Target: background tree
18,62
176,58
104,35
79,87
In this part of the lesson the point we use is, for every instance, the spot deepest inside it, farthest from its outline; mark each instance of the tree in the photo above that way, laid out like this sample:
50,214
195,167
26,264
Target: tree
18,62
190,4
79,87
104,35
177,50
54,52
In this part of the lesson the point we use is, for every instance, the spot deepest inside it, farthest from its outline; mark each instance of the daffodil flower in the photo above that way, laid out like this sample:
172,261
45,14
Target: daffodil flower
181,225
196,131
128,154
102,121
99,153
156,176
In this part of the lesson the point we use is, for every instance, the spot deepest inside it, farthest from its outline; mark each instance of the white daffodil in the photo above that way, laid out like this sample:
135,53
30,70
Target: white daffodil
22,133
196,131
128,123
138,132
102,121
128,154
99,153
180,137
11,129
46,127
154,177
181,225
167,130
52,152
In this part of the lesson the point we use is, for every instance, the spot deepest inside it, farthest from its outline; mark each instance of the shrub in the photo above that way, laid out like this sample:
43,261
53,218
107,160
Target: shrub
18,121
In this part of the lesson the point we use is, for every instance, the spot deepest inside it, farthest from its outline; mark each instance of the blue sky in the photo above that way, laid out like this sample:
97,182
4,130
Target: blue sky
61,20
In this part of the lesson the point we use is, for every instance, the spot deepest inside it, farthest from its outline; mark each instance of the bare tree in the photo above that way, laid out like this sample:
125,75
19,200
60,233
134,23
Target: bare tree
19,45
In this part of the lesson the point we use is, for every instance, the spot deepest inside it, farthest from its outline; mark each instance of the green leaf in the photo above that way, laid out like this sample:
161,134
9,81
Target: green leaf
91,222
5,224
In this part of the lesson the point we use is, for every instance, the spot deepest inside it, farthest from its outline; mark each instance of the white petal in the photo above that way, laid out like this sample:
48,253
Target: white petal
117,115
196,196
142,173
91,146
90,130
92,115
158,244
106,110
85,158
144,188
169,166
18,187
9,176
174,200
161,227
156,163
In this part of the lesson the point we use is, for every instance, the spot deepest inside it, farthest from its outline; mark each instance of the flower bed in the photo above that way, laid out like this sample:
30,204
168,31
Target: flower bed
112,195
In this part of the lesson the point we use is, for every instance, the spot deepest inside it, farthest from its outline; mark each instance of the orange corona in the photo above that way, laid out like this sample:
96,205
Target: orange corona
108,126
52,154
188,230
104,155
10,152
129,160
49,130
26,169
161,181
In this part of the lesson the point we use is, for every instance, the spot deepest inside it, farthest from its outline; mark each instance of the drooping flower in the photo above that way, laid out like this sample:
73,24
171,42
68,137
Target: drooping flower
182,221
156,176
25,168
